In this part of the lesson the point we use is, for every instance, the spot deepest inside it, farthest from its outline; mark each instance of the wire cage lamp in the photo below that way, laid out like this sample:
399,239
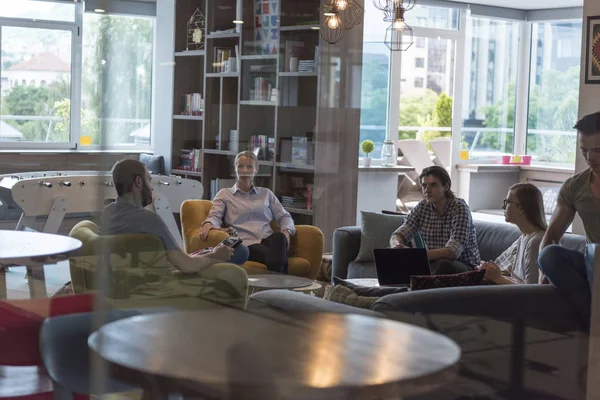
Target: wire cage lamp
331,24
388,6
337,17
399,35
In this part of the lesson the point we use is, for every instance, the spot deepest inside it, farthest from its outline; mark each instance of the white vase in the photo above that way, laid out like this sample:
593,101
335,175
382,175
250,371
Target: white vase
293,64
367,162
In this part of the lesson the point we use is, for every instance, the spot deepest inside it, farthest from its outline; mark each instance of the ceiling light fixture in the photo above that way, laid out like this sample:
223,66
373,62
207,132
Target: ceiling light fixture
238,22
99,10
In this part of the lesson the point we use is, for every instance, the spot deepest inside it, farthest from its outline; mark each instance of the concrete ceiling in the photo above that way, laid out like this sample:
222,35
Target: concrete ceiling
526,4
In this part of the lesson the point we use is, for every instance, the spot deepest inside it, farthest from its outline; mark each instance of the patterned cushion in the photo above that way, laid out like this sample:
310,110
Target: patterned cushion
374,291
550,196
471,278
341,294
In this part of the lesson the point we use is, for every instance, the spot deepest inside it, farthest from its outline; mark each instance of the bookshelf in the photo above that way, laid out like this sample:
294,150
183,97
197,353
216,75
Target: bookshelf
254,101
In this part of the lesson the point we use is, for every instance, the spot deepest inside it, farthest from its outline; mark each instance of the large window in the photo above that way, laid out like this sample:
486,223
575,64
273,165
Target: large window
426,93
375,73
554,91
49,99
117,80
35,65
491,56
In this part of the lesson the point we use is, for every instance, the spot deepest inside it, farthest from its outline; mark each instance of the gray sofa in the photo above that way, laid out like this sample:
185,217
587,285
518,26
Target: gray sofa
518,341
492,240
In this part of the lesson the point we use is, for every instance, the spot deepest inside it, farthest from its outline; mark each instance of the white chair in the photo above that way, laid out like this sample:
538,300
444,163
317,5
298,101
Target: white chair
415,154
442,148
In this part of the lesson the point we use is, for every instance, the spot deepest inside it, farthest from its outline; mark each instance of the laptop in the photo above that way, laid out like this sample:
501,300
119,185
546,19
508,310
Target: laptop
396,266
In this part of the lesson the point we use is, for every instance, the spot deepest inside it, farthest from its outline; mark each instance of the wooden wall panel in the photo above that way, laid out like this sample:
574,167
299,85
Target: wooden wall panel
338,134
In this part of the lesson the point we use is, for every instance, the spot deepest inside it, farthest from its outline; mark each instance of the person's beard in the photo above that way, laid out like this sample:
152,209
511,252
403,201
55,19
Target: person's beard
146,195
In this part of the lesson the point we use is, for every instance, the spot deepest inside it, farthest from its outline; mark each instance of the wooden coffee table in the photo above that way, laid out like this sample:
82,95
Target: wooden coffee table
228,353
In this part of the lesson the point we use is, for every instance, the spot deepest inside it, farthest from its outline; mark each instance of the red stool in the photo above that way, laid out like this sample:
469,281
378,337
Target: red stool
22,374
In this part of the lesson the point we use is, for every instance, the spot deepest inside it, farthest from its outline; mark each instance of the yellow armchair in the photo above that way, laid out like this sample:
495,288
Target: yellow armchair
306,249
127,253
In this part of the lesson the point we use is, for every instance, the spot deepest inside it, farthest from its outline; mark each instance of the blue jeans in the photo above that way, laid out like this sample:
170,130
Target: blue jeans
240,255
568,273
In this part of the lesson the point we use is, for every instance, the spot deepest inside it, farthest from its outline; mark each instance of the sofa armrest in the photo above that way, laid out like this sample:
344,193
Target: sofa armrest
538,306
346,243
308,243
194,243
289,301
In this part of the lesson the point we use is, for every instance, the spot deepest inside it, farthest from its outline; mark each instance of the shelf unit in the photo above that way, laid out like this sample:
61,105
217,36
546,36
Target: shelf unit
240,101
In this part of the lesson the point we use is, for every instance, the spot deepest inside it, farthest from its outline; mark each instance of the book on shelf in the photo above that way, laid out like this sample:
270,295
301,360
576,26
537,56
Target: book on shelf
262,89
306,66
218,184
220,57
190,160
234,140
263,146
193,104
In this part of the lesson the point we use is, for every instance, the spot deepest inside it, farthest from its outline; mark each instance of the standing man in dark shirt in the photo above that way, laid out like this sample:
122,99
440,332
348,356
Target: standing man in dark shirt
580,194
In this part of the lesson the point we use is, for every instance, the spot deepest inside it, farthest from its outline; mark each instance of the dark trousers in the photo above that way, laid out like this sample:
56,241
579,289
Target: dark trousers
271,251
445,266
567,271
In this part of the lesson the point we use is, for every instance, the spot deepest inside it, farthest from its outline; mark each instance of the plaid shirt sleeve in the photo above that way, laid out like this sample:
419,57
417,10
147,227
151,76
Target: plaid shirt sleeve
459,233
411,225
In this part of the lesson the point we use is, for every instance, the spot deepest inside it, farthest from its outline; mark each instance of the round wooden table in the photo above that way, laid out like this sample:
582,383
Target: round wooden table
34,250
226,353
258,282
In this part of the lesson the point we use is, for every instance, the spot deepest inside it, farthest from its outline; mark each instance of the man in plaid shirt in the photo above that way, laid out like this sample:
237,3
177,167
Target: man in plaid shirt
445,224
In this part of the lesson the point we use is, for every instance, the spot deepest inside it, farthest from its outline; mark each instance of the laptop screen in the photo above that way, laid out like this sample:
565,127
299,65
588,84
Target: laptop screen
396,266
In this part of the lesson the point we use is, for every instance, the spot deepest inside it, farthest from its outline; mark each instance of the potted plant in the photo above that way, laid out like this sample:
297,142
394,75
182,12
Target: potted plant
367,147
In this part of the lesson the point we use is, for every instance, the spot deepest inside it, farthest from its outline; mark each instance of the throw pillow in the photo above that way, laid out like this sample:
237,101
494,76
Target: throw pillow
376,230
550,197
368,291
341,294
471,278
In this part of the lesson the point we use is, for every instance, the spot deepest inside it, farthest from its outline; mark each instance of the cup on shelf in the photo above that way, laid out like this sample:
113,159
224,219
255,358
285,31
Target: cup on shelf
527,160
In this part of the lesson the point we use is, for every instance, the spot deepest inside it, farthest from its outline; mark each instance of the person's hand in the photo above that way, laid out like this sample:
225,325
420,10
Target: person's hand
222,253
204,229
492,270
288,236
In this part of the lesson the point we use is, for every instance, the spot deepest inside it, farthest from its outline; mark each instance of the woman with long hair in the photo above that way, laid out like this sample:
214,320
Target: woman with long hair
524,207
249,209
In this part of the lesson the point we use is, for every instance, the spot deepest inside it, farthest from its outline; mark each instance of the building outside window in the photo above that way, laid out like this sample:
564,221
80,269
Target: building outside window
375,82
554,91
489,109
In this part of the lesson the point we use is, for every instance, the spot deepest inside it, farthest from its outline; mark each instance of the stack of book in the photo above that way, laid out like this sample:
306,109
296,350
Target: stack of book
306,66
262,89
221,56
263,146
234,139
190,160
193,104
294,201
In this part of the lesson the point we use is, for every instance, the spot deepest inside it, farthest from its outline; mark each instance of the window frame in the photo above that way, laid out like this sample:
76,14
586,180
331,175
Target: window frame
76,28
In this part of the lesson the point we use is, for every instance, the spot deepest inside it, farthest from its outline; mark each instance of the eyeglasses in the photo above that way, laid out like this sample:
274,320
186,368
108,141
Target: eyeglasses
506,202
